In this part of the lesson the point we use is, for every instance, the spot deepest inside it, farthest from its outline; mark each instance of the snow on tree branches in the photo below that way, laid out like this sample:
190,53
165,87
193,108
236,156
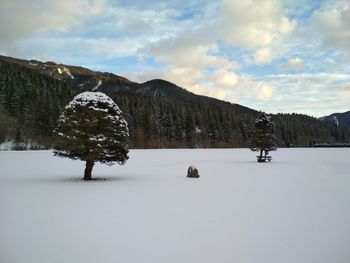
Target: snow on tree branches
262,138
92,129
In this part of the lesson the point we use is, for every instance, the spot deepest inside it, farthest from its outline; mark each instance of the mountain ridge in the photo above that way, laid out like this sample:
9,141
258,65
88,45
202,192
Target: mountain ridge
160,114
110,81
338,118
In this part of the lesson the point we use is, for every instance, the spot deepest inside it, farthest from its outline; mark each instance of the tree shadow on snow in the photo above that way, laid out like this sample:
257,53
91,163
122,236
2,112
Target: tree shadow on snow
94,179
75,179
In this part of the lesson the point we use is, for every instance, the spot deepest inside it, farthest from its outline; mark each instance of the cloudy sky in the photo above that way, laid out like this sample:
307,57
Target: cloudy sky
270,55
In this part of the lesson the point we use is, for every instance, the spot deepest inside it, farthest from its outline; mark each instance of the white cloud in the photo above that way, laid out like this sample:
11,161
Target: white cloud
185,77
255,23
333,24
317,94
21,18
192,63
265,91
263,56
189,54
118,30
261,26
224,78
321,76
328,29
218,93
293,63
189,48
190,43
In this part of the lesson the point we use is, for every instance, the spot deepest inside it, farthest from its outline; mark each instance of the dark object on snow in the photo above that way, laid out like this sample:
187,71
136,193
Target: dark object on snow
264,158
192,172
262,138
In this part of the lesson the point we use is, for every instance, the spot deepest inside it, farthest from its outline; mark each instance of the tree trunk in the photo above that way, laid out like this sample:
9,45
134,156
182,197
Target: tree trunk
88,169
260,159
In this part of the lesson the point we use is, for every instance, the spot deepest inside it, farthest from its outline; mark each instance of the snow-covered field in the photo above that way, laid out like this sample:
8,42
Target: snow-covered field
295,209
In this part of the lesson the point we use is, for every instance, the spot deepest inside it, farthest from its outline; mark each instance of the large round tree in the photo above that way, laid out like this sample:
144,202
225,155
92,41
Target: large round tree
92,129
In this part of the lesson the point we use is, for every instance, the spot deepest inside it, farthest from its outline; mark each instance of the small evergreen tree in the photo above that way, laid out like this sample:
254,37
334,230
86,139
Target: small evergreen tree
262,137
92,129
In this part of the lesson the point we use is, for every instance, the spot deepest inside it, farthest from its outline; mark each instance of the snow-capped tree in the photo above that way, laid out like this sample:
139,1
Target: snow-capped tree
92,129
262,137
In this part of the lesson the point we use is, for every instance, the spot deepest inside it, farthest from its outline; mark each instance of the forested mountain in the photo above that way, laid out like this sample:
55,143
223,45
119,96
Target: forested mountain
342,119
160,114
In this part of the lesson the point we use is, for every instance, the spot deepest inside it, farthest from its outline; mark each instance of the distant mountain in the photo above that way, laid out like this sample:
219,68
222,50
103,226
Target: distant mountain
160,114
342,119
76,76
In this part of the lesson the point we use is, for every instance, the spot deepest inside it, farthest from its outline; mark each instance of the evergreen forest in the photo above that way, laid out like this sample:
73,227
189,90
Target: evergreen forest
159,114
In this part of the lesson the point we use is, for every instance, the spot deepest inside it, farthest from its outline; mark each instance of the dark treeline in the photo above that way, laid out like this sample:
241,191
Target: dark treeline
302,130
30,104
159,122
160,115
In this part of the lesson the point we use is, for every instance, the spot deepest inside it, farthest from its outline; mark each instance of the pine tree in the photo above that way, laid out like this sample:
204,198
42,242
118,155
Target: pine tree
262,137
92,129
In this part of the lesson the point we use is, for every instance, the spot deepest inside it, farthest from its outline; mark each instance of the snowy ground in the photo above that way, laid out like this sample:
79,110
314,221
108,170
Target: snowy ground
295,209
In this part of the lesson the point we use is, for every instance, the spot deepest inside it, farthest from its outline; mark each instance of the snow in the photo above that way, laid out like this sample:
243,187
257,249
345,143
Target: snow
99,83
10,145
336,121
98,138
98,109
93,98
294,209
67,71
7,146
